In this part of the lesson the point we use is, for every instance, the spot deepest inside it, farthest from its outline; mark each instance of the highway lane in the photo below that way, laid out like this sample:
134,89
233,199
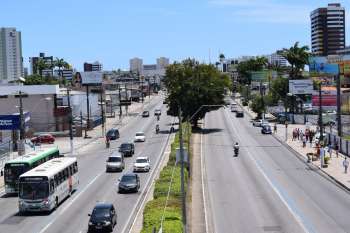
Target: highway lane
95,184
267,188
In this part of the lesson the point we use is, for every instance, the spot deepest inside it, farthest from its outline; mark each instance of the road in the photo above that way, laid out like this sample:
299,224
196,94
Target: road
267,188
95,184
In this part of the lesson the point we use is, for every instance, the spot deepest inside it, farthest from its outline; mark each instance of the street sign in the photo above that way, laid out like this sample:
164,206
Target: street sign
11,122
178,155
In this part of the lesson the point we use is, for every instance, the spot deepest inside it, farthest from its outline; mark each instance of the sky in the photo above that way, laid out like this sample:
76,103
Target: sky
113,31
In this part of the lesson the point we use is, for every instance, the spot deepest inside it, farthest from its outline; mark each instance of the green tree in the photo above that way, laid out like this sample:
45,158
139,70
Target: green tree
258,105
279,90
297,57
41,65
192,85
36,79
255,64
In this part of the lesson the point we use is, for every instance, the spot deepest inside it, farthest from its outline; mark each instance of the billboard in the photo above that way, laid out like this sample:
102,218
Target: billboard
301,87
11,122
263,76
91,78
329,97
344,67
320,65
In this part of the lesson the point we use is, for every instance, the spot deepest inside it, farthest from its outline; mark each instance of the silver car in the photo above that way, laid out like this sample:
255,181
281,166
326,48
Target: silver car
115,162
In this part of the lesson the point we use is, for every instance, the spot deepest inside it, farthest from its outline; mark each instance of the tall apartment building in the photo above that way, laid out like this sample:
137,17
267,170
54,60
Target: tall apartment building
328,30
162,62
11,61
96,66
49,61
136,65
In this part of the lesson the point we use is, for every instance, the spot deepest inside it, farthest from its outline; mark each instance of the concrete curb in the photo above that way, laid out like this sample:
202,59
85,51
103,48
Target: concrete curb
301,156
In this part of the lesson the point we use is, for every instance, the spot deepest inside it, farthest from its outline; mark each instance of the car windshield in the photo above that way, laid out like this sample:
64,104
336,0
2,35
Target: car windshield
14,170
141,161
99,213
128,179
125,146
34,190
140,134
114,159
145,112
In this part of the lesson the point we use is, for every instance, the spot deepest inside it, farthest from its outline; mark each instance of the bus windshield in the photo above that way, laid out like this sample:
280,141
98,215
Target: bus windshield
14,170
34,190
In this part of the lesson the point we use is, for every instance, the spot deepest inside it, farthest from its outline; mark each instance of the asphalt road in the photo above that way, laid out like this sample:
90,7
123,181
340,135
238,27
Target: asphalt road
267,188
95,184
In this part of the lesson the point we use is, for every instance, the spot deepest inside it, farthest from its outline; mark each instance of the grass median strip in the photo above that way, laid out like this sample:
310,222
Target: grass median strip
170,175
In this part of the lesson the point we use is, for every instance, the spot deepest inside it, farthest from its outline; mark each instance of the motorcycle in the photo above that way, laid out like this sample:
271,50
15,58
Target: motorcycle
236,152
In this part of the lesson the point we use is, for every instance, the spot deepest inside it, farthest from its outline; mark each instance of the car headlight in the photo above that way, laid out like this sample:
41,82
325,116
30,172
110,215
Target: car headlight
107,223
90,223
21,202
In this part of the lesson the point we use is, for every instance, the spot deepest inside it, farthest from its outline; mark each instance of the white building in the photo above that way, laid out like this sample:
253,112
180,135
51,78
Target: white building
277,60
136,65
11,61
162,62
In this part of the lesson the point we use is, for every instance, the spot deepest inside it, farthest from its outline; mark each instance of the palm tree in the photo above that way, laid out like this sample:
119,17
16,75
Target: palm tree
296,56
41,65
60,63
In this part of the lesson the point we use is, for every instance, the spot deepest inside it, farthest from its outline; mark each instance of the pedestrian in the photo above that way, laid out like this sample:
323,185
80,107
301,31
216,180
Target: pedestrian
301,135
330,149
275,128
336,148
298,133
345,165
304,141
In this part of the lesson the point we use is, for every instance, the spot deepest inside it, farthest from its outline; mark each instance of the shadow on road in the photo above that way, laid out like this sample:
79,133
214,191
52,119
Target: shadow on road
209,131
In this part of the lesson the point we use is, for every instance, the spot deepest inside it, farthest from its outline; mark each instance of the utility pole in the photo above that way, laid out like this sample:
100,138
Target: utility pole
21,148
102,111
339,106
87,111
262,99
127,99
70,118
149,89
320,120
120,103
183,194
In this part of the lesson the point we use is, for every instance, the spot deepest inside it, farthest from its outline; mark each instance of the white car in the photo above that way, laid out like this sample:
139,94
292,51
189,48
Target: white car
157,112
142,164
140,137
260,123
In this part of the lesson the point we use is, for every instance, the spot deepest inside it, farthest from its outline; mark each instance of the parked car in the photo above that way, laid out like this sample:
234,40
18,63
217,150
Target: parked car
129,182
142,164
259,123
115,162
140,137
157,112
234,107
127,148
266,129
239,113
43,138
145,114
113,134
103,218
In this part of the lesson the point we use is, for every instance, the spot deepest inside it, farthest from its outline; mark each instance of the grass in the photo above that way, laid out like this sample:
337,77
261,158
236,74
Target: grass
153,211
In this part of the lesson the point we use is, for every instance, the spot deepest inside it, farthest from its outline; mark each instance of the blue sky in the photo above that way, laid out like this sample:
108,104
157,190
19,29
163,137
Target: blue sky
113,31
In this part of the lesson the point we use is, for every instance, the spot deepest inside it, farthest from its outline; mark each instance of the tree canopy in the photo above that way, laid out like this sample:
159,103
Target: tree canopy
36,79
192,85
245,67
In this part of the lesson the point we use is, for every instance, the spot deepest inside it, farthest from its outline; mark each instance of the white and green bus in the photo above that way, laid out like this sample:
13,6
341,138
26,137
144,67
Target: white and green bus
44,187
16,167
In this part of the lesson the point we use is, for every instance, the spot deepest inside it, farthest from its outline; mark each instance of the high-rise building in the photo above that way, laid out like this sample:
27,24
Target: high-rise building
328,30
136,65
96,66
277,60
162,62
49,61
11,61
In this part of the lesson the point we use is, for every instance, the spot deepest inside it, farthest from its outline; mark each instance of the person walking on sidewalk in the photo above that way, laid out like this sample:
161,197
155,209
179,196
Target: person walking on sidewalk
345,165
304,141
330,149
336,148
275,128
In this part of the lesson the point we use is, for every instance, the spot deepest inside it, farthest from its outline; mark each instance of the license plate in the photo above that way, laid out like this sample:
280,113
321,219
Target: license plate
98,227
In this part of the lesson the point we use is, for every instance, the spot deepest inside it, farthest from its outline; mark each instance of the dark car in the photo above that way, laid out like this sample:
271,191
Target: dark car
145,114
266,129
43,138
103,218
239,113
113,134
127,149
129,183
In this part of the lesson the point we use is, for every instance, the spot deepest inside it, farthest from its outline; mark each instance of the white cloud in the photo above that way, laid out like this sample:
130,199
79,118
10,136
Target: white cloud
265,11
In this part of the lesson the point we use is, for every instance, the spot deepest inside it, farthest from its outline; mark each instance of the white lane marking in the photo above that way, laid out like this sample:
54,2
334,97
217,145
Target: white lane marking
146,186
285,200
70,203
202,177
79,194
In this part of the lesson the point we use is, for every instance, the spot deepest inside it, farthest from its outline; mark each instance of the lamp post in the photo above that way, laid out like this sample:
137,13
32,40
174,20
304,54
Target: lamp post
70,124
320,123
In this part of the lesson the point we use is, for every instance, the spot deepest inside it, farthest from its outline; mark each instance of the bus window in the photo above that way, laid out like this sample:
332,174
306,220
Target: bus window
52,186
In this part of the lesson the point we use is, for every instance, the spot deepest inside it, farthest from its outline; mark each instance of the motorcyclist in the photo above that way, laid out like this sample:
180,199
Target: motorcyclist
236,148
157,128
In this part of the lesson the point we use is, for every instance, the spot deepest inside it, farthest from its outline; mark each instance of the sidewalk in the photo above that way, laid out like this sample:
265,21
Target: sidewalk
335,169
95,134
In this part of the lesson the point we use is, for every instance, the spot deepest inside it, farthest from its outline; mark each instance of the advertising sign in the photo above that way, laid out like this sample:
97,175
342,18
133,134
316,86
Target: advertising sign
262,76
11,122
320,65
91,78
301,87
329,97
344,67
